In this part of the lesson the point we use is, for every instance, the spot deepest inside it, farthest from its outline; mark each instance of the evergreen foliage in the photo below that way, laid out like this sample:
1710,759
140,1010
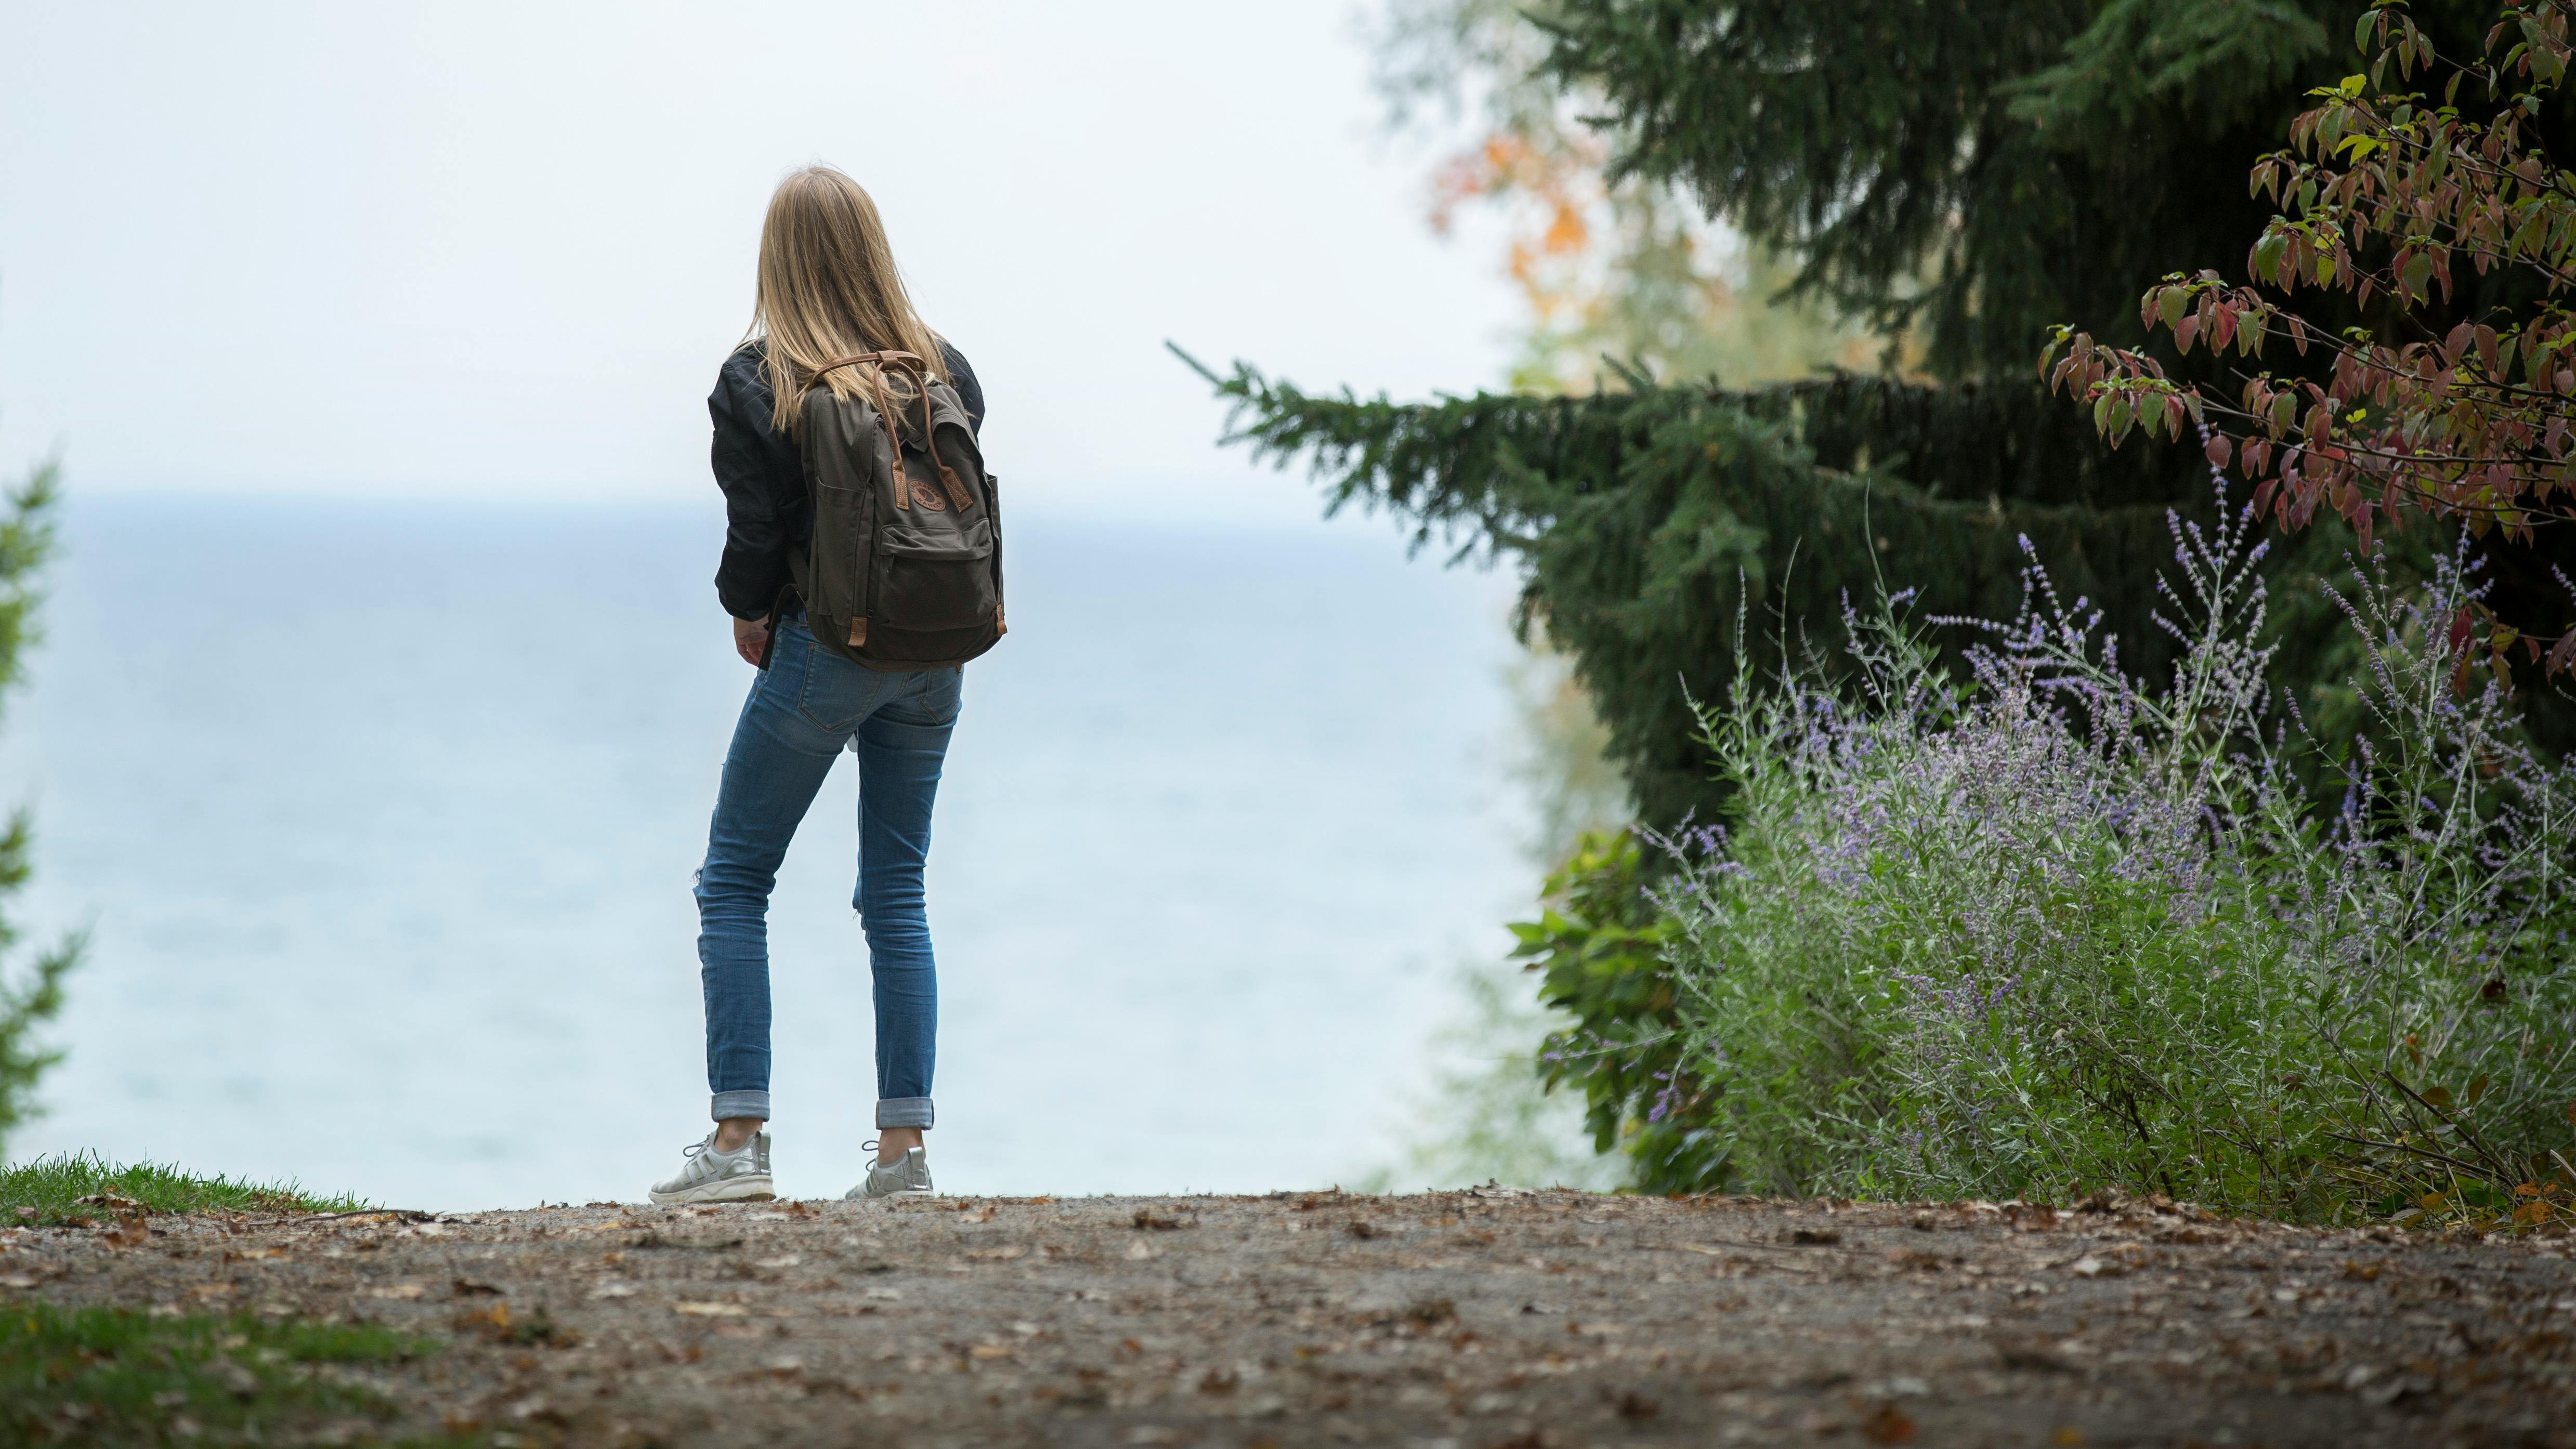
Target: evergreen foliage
26,542
1975,169
1646,521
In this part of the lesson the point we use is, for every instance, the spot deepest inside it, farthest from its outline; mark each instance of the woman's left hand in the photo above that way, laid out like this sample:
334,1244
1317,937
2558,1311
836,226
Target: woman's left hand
750,637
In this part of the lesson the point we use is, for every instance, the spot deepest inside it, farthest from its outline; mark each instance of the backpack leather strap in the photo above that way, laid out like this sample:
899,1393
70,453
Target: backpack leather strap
909,364
875,384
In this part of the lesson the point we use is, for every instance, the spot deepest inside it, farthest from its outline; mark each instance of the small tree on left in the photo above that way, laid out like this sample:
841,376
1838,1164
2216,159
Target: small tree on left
33,993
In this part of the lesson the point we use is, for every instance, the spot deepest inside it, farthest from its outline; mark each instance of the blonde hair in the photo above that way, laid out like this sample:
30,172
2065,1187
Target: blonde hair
829,288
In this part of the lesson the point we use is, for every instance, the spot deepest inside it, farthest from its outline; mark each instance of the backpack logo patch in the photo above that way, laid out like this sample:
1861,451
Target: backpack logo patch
925,496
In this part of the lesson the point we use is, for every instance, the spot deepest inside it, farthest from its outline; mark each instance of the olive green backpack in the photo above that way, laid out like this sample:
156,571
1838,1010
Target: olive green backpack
905,567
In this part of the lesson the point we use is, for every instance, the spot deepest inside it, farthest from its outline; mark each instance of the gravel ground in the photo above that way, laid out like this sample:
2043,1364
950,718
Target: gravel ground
1495,1319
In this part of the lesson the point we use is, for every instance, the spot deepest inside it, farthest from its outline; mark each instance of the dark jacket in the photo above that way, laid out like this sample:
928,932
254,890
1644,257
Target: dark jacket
767,511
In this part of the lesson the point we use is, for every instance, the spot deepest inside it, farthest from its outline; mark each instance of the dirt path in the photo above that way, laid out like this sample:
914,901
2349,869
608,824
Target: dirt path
1455,1319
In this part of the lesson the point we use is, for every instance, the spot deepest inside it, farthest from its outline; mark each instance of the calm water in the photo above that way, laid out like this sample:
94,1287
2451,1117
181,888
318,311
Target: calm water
384,819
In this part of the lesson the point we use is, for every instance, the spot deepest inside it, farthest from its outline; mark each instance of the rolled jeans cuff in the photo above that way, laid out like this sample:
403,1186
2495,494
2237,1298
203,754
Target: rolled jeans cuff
903,1112
739,1104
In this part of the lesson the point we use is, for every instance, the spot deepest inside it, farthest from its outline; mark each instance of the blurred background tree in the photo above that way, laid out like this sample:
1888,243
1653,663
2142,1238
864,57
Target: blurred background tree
1623,267
1486,1115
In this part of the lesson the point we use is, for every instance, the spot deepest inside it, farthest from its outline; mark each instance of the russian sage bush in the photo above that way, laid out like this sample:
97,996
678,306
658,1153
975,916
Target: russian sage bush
2046,929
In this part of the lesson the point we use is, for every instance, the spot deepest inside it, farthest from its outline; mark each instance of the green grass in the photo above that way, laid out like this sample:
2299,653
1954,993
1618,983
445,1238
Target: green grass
111,1376
48,1192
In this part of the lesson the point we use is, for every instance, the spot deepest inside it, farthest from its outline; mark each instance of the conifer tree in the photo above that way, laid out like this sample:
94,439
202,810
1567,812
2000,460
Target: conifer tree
1969,173
1980,170
31,995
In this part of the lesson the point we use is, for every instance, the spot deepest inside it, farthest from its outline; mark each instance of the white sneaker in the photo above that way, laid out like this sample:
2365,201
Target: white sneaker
906,1176
711,1176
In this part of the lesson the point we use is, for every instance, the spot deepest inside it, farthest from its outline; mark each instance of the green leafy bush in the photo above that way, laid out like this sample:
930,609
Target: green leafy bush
2048,930
1600,946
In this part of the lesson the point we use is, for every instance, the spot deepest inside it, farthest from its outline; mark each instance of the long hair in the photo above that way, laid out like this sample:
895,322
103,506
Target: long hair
828,288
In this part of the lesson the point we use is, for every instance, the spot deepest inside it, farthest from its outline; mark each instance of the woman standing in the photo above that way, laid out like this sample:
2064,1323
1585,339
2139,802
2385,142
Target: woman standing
828,290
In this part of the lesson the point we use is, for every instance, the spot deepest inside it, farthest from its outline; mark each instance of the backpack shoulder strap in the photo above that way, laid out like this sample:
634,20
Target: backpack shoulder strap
876,388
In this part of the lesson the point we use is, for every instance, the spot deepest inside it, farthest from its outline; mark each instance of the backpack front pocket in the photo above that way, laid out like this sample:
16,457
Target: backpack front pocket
935,578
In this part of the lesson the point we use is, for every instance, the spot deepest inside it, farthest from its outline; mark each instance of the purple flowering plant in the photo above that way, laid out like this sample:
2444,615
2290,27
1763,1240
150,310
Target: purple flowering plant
2048,928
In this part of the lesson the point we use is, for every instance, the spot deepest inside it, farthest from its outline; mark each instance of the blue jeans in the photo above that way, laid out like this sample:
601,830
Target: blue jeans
803,710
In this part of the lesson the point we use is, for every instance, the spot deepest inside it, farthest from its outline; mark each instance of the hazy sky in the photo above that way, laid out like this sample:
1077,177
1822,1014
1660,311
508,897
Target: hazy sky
501,248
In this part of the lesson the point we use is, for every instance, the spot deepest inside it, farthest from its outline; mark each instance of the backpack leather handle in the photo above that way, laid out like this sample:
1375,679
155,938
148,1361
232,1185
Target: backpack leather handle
911,365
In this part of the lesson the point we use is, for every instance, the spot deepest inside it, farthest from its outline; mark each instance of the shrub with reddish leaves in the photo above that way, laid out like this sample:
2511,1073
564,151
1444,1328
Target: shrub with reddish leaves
2391,197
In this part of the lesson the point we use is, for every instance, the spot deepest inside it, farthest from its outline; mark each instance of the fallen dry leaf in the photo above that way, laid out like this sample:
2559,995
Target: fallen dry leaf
493,1321
1890,1425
